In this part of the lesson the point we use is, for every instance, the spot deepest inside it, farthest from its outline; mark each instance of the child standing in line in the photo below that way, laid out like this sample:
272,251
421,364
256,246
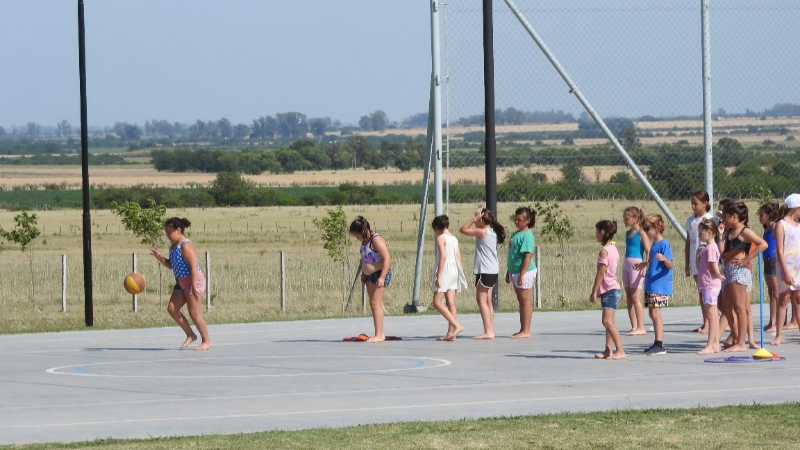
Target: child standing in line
488,233
658,280
521,269
738,276
768,215
722,233
607,288
637,246
448,276
709,281
700,211
376,270
787,245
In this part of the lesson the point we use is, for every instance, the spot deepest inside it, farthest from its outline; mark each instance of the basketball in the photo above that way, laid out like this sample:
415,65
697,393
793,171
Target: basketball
134,283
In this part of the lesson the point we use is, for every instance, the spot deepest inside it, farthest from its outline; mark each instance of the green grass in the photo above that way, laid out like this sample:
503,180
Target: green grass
707,428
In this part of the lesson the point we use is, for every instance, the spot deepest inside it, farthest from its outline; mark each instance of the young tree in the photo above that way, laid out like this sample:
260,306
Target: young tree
147,224
24,234
558,227
335,240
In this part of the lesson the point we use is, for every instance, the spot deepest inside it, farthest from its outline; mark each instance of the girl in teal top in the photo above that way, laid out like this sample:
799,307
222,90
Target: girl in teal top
637,246
521,269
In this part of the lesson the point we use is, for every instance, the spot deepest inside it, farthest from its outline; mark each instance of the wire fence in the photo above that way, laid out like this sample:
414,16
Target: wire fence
640,66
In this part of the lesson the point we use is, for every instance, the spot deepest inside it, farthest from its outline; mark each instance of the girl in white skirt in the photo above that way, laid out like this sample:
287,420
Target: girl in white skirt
448,276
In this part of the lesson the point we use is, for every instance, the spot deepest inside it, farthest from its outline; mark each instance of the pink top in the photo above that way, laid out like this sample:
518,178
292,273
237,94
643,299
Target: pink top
705,279
610,276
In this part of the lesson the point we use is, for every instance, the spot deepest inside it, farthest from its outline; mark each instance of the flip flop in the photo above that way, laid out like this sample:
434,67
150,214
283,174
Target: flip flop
363,338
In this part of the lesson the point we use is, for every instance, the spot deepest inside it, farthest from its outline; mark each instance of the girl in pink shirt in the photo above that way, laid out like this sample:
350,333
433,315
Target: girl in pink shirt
709,281
607,288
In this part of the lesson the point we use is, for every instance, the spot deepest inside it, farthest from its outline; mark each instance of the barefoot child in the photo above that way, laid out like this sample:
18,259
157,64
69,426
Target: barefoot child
521,269
738,276
488,233
637,246
448,276
376,270
607,288
700,211
768,215
709,281
189,282
658,280
787,245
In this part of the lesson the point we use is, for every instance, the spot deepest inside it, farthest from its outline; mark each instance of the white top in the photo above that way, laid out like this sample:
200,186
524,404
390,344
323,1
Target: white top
452,275
694,238
486,254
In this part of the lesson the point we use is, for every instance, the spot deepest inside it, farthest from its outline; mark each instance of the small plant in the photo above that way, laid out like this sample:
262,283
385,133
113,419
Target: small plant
335,240
147,224
762,194
24,234
558,227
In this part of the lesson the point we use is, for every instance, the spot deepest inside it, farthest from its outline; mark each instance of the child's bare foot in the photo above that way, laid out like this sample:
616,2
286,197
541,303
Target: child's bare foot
484,336
616,356
203,346
701,330
443,338
377,338
753,346
520,335
189,340
735,349
790,326
636,332
727,342
604,355
455,332
777,341
707,351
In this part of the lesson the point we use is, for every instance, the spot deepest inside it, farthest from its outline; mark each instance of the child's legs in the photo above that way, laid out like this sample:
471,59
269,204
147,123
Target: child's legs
772,291
483,296
780,317
525,299
739,295
450,299
444,309
195,306
710,314
376,305
631,294
176,302
658,323
612,333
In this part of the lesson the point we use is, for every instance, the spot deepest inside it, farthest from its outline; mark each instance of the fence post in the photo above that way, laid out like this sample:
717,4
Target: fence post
538,279
208,282
363,298
63,283
135,297
283,283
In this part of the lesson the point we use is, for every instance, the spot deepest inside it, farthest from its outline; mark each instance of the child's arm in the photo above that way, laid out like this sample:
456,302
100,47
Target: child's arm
161,260
780,252
753,237
440,265
458,258
598,277
526,261
467,229
714,265
646,246
687,268
379,245
190,256
667,262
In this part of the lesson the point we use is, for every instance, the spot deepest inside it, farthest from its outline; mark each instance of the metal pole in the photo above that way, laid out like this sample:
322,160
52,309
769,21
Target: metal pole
538,278
437,110
135,297
490,146
63,283
87,218
707,127
573,89
761,299
208,281
363,298
447,112
423,211
283,283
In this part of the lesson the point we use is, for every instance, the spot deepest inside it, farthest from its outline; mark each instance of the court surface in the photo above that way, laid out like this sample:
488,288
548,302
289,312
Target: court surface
64,387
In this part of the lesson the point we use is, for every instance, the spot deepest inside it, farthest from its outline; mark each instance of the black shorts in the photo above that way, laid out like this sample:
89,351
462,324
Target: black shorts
487,280
771,267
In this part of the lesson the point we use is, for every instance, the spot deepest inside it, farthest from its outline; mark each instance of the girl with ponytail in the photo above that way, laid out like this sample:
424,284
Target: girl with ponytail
376,270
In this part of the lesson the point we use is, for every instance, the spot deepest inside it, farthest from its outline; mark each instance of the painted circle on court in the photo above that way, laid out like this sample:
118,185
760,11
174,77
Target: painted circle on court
250,366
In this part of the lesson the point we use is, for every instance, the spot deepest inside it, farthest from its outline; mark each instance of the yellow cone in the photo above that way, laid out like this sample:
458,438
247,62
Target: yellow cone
762,354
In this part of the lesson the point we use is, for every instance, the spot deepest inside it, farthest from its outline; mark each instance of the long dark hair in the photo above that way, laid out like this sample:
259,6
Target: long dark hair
529,213
608,228
738,209
178,224
488,218
361,227
703,197
772,210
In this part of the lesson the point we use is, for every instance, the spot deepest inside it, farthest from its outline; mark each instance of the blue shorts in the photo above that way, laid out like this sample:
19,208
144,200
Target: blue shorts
374,278
610,299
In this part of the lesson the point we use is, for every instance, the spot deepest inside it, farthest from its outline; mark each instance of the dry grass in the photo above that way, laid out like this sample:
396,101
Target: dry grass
245,275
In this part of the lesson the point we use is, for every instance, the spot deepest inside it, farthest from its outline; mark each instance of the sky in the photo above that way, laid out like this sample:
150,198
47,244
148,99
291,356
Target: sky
182,60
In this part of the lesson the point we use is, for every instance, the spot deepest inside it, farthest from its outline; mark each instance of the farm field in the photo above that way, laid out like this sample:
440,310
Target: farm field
244,246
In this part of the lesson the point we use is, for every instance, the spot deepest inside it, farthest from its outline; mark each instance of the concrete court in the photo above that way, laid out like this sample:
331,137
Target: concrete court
291,375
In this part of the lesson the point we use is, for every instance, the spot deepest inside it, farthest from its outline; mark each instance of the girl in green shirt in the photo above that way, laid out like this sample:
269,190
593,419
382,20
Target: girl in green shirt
521,269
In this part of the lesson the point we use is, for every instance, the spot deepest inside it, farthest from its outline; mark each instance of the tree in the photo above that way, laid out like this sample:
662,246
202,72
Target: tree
264,128
147,224
379,120
2,132
24,234
229,188
131,133
317,127
365,123
64,128
336,241
34,130
621,178
225,128
572,171
556,226
291,125
628,138
241,131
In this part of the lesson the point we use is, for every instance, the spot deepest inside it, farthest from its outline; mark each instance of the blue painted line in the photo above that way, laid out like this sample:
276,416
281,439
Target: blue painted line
79,369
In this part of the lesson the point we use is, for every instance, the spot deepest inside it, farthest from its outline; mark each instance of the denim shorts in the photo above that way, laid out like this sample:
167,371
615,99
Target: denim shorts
770,266
374,278
610,299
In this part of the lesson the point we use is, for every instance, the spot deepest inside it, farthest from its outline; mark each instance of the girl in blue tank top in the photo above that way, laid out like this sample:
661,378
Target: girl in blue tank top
190,283
768,215
637,246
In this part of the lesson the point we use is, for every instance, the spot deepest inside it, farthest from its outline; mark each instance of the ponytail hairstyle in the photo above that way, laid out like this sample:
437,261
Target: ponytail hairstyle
738,209
529,213
654,221
708,225
488,218
703,197
178,223
724,203
772,210
782,211
608,228
361,227
636,212
441,222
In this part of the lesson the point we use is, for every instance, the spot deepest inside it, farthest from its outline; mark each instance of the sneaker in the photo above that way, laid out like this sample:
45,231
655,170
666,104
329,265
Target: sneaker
656,350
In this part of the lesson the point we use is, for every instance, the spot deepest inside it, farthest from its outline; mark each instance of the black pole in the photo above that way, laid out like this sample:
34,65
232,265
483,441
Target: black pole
87,218
491,143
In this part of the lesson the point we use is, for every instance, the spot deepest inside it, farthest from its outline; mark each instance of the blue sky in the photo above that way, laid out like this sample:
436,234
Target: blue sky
183,60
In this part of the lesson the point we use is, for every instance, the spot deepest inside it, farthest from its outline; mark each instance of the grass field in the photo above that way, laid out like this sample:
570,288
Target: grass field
244,245
739,427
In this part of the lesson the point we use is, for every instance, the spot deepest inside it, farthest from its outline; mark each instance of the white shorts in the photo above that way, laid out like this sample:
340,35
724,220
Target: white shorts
527,279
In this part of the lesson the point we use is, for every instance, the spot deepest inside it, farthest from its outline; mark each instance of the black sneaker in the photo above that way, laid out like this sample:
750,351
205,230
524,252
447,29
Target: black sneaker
656,350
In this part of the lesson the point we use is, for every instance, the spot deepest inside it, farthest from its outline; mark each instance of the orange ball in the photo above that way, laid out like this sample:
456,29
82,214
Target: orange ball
134,283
